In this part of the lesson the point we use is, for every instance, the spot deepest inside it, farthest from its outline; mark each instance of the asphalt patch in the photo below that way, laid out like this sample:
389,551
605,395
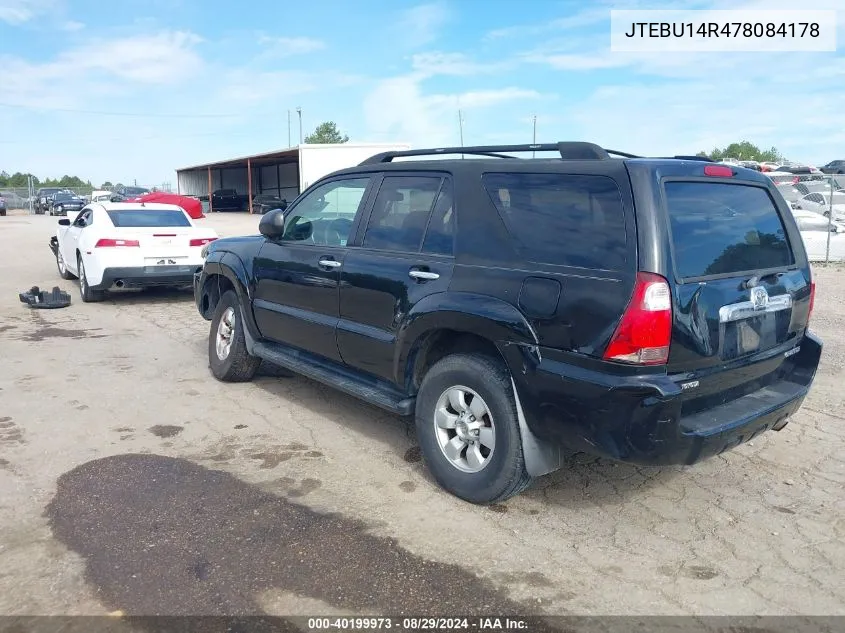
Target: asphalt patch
166,536
165,430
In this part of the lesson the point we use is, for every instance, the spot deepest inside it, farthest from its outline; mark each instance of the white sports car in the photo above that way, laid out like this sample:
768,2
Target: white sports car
128,245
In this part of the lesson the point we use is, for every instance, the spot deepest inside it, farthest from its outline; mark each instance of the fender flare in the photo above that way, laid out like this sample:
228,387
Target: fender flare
495,320
230,266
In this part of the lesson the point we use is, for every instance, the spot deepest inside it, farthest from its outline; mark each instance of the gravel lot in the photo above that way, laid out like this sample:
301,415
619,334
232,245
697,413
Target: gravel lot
131,480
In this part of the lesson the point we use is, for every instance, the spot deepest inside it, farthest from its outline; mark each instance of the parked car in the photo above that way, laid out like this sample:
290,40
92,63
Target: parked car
226,200
750,164
812,221
60,203
42,198
127,192
112,245
14,201
521,308
2,206
834,167
264,202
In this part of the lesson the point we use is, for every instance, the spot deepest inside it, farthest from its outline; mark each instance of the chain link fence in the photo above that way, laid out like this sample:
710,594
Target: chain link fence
35,200
818,205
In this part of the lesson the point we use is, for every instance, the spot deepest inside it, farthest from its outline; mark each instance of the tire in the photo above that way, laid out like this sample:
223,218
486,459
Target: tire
2,213
503,473
88,295
234,364
64,273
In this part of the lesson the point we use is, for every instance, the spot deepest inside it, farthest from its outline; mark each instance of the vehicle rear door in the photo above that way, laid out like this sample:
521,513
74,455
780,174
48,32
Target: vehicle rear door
742,285
297,277
403,254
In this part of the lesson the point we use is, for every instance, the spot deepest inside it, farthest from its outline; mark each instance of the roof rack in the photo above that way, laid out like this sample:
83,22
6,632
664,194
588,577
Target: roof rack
704,159
568,150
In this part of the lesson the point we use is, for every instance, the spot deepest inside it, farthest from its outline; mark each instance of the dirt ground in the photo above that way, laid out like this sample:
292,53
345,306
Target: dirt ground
131,480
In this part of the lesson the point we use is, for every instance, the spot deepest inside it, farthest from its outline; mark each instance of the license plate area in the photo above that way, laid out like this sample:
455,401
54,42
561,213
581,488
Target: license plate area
155,262
754,334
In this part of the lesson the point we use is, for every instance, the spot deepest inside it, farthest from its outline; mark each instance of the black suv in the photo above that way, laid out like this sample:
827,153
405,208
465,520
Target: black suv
651,310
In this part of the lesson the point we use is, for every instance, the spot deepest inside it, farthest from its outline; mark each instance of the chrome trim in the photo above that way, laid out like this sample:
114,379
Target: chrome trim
330,263
422,274
746,309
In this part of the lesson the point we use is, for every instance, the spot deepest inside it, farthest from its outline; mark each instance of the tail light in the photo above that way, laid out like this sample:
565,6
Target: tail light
812,299
108,243
202,241
645,331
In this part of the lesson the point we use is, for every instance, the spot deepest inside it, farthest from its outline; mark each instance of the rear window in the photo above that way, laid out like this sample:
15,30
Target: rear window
561,219
148,218
720,228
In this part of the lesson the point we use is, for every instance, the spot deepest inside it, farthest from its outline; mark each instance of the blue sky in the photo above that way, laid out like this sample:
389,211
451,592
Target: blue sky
135,90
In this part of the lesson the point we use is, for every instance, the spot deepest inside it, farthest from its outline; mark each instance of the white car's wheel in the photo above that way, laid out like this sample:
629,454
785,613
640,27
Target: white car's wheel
88,295
64,273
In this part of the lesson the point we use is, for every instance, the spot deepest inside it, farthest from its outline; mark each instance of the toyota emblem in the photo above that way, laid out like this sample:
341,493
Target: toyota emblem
759,298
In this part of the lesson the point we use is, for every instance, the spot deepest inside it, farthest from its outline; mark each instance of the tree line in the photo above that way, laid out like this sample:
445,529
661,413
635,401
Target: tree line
745,150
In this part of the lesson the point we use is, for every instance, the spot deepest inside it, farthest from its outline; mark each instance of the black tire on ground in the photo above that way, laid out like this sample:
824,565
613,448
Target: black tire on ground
504,475
2,213
88,295
64,274
237,365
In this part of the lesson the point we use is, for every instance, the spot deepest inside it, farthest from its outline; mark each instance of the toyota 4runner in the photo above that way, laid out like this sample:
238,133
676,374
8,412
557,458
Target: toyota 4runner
650,310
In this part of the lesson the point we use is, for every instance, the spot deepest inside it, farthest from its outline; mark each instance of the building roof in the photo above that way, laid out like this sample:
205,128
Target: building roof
287,155
269,158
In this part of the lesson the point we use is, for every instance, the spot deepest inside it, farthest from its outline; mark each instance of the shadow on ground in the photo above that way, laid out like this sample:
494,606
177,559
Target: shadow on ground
165,536
582,479
150,296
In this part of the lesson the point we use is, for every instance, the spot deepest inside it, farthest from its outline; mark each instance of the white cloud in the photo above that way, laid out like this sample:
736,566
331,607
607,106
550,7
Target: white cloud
456,64
288,46
16,12
399,109
587,17
73,25
421,25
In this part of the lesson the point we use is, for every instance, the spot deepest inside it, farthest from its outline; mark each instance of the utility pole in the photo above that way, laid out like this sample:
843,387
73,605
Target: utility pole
534,141
461,127
299,112
288,127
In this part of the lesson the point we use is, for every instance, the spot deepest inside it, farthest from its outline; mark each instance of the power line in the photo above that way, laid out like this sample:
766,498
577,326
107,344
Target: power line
127,114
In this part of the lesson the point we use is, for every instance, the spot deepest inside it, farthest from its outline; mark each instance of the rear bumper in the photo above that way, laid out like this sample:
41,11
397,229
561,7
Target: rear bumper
146,277
641,419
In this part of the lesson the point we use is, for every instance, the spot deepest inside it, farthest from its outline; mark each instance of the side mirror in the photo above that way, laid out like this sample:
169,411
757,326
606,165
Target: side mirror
64,222
272,224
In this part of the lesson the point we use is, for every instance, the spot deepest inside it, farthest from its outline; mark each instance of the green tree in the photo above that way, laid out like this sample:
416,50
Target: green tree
106,185
326,132
745,150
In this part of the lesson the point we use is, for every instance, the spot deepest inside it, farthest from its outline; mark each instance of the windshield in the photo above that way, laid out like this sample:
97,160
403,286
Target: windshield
148,218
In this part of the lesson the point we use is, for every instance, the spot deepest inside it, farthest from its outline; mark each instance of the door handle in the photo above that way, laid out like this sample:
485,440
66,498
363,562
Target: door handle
330,263
423,274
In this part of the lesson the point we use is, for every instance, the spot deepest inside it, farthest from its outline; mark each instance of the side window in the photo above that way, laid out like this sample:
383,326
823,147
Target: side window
441,228
324,217
85,218
562,219
400,213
